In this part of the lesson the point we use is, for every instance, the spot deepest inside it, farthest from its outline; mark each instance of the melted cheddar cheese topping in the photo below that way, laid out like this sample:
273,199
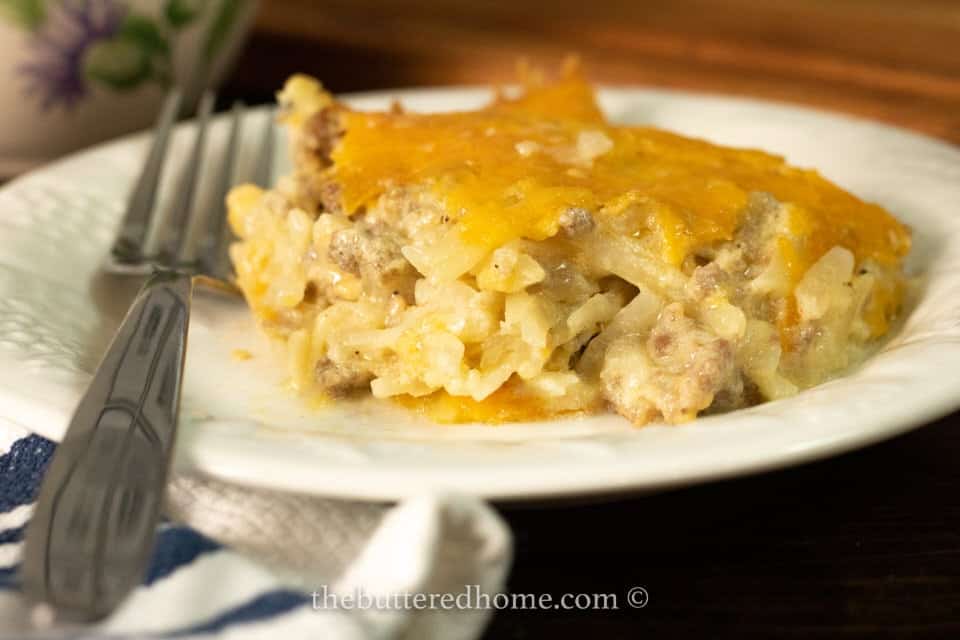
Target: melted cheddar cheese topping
499,407
511,169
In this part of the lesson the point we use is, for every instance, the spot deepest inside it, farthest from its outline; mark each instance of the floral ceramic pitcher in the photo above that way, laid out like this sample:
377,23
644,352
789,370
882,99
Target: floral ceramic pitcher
75,72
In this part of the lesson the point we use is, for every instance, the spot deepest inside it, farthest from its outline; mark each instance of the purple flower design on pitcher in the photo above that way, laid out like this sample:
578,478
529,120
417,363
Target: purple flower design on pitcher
74,45
55,72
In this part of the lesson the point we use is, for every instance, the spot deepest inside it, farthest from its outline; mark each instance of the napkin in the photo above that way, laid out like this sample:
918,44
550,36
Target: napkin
232,562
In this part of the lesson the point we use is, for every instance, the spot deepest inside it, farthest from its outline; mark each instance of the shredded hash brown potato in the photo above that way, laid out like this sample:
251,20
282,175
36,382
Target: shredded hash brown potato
530,259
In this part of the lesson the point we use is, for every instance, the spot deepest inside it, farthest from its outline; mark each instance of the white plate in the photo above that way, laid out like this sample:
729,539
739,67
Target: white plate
56,315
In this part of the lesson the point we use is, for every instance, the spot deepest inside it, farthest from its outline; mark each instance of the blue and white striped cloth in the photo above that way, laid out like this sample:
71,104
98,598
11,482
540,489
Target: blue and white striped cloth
282,549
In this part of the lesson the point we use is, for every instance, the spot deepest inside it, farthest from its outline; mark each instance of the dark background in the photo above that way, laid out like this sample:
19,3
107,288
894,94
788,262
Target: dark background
866,545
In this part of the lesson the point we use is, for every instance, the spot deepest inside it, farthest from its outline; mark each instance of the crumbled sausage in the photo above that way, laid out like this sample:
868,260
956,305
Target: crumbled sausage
676,372
352,250
322,132
316,193
344,250
410,211
706,280
576,221
341,379
328,196
375,258
661,343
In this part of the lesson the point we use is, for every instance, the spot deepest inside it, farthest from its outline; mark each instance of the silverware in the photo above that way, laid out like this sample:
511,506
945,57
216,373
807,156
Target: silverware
89,541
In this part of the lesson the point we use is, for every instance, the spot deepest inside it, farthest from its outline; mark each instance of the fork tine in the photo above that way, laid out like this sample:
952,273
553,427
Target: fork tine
263,169
128,247
173,230
262,175
204,247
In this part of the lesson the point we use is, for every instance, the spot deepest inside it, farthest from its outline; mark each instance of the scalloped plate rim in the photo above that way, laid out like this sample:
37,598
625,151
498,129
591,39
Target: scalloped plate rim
514,481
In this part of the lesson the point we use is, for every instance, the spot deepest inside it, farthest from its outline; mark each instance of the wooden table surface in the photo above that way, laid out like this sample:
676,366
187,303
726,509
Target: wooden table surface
893,60
866,545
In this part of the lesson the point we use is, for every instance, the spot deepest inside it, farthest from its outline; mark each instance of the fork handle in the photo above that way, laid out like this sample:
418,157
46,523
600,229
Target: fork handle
92,532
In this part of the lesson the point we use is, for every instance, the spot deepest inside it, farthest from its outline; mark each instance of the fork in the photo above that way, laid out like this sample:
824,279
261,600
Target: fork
92,531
